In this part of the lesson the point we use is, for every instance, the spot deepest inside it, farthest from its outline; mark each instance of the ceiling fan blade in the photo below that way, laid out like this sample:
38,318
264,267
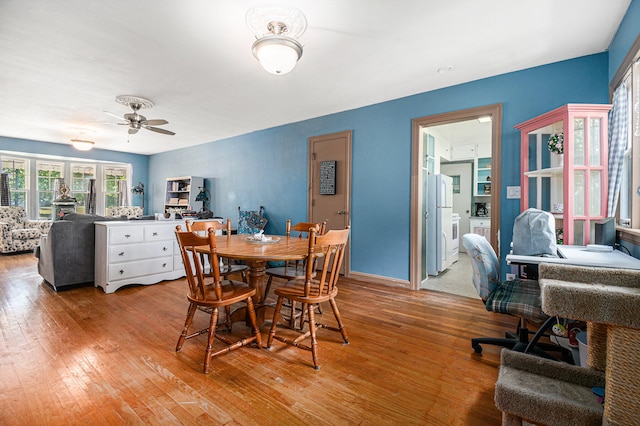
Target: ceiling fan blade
158,130
156,122
133,131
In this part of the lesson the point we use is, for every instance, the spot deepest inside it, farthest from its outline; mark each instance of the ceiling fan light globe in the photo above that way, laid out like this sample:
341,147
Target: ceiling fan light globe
277,54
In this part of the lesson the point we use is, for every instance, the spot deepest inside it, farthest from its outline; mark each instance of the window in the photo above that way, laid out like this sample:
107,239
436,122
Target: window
112,175
33,179
80,176
629,207
18,171
48,173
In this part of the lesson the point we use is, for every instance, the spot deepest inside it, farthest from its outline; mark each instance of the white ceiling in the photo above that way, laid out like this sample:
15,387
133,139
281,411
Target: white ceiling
63,62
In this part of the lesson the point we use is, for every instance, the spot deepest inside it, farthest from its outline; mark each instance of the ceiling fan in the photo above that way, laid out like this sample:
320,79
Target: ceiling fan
137,121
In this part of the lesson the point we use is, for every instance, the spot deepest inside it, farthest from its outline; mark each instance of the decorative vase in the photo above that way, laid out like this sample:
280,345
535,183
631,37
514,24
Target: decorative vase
557,160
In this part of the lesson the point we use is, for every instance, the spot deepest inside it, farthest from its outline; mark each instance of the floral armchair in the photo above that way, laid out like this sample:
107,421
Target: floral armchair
18,233
129,212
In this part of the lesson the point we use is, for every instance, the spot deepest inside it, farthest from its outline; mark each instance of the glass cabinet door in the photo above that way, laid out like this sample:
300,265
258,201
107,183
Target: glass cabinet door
572,185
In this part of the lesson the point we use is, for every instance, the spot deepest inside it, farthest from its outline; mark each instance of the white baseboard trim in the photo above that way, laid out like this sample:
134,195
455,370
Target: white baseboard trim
379,279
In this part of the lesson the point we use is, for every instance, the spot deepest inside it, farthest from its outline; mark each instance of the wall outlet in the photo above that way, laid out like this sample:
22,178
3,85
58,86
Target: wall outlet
511,277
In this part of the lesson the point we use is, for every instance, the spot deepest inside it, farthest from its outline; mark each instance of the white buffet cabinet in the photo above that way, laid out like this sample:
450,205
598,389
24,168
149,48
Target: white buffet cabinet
136,252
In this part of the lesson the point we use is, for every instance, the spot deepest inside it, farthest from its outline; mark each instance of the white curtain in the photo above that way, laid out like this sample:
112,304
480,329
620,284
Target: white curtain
618,143
123,193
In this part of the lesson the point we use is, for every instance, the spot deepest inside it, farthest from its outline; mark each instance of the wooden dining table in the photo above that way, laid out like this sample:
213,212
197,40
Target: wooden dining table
256,255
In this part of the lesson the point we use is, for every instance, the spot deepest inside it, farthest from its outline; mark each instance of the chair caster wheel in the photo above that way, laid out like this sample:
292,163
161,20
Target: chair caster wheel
477,349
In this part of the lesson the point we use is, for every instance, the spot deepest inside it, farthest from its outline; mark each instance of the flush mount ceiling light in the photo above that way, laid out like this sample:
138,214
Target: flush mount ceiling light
81,144
276,29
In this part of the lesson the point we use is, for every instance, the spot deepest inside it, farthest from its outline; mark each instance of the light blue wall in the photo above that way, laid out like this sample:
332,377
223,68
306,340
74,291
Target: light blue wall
140,163
269,167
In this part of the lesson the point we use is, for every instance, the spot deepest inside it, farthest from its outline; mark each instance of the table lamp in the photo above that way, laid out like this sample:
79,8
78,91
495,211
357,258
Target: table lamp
204,196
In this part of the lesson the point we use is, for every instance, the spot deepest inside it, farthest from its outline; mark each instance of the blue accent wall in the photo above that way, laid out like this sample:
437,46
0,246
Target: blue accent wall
625,37
269,167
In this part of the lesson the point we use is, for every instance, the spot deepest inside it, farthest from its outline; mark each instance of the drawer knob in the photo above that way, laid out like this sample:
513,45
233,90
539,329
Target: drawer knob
164,265
121,271
121,253
127,235
164,249
155,234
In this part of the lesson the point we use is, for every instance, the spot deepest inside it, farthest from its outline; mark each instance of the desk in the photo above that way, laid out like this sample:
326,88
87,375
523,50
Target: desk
256,257
578,256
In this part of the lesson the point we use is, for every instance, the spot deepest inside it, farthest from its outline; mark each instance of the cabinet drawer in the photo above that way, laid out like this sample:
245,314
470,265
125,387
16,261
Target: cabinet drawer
140,268
480,223
129,252
158,233
126,234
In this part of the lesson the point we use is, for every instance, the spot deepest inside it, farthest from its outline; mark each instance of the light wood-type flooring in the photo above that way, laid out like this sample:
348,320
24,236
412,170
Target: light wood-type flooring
84,357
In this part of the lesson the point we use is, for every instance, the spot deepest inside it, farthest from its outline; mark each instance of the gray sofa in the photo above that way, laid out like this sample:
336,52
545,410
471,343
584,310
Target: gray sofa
66,253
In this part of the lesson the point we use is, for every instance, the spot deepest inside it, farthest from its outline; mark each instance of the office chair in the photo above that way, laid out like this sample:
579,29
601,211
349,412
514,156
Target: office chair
516,297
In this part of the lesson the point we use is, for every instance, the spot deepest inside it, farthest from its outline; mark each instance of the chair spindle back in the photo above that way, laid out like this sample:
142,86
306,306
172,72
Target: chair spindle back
331,247
188,241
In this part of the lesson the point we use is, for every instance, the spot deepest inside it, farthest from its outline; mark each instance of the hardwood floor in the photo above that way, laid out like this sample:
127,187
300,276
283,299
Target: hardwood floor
83,357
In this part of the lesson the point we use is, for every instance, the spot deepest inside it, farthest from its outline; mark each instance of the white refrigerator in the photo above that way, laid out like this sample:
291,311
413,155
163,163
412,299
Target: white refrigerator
439,224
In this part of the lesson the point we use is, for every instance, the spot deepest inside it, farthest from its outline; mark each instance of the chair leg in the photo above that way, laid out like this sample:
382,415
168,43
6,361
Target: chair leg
227,321
212,334
303,309
292,320
254,322
267,287
190,312
274,323
312,333
343,331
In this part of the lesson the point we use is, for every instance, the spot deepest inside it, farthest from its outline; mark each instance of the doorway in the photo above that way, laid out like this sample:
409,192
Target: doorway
494,112
329,194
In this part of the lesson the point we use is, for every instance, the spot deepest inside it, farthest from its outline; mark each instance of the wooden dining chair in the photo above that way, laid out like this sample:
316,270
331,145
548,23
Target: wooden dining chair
329,250
212,296
201,227
294,269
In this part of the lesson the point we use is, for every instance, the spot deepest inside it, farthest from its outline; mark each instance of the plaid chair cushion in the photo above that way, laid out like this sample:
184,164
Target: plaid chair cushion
517,297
